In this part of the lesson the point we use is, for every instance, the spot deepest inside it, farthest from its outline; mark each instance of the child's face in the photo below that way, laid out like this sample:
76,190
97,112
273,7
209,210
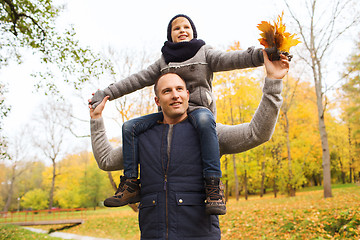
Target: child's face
181,30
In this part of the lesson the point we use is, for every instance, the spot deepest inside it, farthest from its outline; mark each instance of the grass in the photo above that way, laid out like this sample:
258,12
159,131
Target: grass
306,216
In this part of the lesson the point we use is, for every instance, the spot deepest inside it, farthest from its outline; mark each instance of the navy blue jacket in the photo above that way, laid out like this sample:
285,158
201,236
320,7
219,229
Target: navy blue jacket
172,186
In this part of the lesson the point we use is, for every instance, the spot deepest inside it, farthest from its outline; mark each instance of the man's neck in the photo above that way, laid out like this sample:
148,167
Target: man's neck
173,121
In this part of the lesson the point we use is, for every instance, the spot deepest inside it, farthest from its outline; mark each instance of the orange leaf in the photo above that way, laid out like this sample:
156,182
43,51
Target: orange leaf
275,35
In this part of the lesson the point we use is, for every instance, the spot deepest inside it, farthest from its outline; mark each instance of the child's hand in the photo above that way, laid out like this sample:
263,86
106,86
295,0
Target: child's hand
97,98
96,112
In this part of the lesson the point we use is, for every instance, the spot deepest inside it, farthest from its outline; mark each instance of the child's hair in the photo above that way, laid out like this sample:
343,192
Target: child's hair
170,26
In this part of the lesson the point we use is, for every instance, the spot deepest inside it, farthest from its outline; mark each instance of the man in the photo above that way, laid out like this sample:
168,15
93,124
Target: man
172,190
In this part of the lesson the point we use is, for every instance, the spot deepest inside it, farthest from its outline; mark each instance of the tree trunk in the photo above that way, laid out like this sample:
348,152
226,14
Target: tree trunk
112,182
262,190
342,171
245,185
51,197
326,158
352,173
234,158
275,156
291,188
226,179
236,178
11,190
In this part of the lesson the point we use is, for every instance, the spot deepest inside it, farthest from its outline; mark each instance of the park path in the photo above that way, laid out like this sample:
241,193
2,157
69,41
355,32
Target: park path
66,235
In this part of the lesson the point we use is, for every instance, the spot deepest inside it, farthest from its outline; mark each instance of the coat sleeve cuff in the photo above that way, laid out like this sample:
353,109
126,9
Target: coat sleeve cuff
273,86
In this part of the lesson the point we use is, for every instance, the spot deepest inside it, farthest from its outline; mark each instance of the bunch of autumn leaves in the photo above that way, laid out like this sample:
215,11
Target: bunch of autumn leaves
275,39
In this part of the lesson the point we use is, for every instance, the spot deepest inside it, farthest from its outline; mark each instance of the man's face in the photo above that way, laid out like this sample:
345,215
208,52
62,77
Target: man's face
173,98
181,30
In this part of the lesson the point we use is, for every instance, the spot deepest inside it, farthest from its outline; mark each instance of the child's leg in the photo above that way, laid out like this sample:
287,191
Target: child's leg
129,187
204,122
130,132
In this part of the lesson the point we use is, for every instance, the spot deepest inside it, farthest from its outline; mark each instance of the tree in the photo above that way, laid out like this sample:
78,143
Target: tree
52,119
4,111
350,106
319,35
68,181
237,97
94,186
36,199
32,25
18,154
288,94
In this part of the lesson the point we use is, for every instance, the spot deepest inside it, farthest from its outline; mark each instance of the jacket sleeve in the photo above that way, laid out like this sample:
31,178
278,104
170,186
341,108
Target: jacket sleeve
107,157
225,61
144,78
242,137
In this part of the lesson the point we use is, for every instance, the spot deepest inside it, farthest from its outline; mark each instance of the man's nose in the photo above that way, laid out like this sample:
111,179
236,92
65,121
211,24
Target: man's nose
175,94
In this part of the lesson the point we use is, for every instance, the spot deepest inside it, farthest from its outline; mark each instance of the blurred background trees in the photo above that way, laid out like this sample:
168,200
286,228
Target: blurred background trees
40,171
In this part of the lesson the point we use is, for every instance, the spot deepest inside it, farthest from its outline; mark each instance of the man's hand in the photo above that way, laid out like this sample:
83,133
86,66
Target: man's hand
97,112
276,69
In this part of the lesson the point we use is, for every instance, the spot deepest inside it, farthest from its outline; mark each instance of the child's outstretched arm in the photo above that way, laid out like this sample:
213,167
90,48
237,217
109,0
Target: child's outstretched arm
128,85
239,59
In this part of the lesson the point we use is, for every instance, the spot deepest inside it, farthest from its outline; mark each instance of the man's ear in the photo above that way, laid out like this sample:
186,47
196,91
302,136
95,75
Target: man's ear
188,94
157,101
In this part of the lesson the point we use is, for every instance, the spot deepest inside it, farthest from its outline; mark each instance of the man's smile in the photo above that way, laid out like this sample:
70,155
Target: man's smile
175,103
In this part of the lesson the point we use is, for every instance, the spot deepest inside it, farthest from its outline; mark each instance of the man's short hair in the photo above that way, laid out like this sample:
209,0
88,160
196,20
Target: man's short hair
157,80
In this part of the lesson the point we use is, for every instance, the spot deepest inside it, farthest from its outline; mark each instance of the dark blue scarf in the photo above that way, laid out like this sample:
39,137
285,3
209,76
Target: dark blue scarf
182,51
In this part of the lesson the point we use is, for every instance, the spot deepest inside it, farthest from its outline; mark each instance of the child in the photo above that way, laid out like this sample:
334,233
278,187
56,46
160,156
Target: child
195,62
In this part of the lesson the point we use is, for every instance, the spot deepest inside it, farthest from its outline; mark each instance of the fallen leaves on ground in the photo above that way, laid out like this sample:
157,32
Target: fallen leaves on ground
306,216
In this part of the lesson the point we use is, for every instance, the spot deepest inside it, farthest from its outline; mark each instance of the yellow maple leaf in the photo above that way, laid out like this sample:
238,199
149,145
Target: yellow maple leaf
275,35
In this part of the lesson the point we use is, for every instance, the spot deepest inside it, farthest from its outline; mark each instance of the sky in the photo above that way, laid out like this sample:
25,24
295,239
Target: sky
139,24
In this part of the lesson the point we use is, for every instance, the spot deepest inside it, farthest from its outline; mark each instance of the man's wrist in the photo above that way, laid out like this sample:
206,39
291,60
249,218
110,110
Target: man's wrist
271,77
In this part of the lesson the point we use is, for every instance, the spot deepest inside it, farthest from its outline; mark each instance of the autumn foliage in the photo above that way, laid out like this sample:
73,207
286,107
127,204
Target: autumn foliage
275,35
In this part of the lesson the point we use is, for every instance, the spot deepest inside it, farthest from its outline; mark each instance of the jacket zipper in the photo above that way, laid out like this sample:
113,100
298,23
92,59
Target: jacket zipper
169,138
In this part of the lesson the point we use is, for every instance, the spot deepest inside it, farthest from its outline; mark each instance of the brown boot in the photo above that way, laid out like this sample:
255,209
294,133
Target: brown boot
215,200
127,192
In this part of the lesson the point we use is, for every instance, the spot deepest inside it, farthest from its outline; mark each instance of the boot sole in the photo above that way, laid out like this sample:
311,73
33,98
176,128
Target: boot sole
111,202
215,210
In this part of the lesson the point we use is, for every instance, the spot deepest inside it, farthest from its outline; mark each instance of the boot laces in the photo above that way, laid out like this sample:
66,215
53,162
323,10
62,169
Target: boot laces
213,192
121,184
